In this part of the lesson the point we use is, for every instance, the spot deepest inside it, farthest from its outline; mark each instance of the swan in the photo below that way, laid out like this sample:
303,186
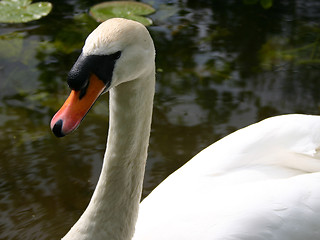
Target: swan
260,182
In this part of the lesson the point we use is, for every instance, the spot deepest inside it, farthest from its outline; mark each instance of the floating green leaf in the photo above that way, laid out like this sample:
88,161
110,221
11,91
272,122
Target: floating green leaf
21,11
125,9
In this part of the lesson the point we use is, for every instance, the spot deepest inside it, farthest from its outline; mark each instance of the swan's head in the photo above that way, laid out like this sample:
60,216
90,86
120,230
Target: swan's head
117,51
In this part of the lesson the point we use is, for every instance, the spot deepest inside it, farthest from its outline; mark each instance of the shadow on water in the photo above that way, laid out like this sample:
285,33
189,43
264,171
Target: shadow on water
221,65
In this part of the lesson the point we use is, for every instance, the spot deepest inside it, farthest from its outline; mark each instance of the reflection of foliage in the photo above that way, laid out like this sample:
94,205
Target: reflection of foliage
125,9
304,50
71,36
33,175
266,4
20,52
21,55
20,11
13,48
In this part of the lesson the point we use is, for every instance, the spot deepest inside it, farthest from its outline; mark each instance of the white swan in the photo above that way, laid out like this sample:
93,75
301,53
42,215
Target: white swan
261,182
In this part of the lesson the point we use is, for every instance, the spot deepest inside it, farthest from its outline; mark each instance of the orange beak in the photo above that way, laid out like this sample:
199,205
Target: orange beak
68,118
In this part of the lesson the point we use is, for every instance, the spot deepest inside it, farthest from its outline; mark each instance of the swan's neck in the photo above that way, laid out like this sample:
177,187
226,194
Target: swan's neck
113,209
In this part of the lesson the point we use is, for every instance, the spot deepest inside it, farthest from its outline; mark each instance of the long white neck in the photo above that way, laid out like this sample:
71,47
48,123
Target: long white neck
113,209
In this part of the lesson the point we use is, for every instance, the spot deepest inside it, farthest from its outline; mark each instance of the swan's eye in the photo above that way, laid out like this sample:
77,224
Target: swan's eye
116,55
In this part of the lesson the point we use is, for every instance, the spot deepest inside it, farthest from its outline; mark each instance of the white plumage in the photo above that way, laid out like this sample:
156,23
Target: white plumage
259,183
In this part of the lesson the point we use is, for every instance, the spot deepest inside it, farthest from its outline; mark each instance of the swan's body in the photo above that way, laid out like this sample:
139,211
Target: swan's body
259,183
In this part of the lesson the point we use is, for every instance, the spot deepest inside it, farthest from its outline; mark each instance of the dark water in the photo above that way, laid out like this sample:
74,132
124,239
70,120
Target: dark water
221,65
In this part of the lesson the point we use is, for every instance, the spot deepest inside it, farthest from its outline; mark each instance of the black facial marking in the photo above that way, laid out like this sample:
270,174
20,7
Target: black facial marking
116,55
79,73
100,65
83,90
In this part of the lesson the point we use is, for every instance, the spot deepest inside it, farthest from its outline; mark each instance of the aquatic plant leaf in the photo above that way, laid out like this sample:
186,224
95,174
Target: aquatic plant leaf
21,11
125,9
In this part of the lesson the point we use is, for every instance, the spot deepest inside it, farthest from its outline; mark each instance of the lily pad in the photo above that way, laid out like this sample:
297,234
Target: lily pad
21,11
125,9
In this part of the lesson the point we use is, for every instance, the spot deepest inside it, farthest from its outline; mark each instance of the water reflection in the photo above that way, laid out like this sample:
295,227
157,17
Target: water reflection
221,65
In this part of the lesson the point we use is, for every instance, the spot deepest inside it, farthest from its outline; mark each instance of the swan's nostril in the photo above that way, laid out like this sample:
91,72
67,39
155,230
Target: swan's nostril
57,129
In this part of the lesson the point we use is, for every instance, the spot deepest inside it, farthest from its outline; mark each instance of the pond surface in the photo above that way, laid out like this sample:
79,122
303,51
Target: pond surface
221,65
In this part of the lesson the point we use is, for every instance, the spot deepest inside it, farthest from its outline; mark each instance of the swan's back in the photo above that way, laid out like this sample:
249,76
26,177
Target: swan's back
259,183
287,141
